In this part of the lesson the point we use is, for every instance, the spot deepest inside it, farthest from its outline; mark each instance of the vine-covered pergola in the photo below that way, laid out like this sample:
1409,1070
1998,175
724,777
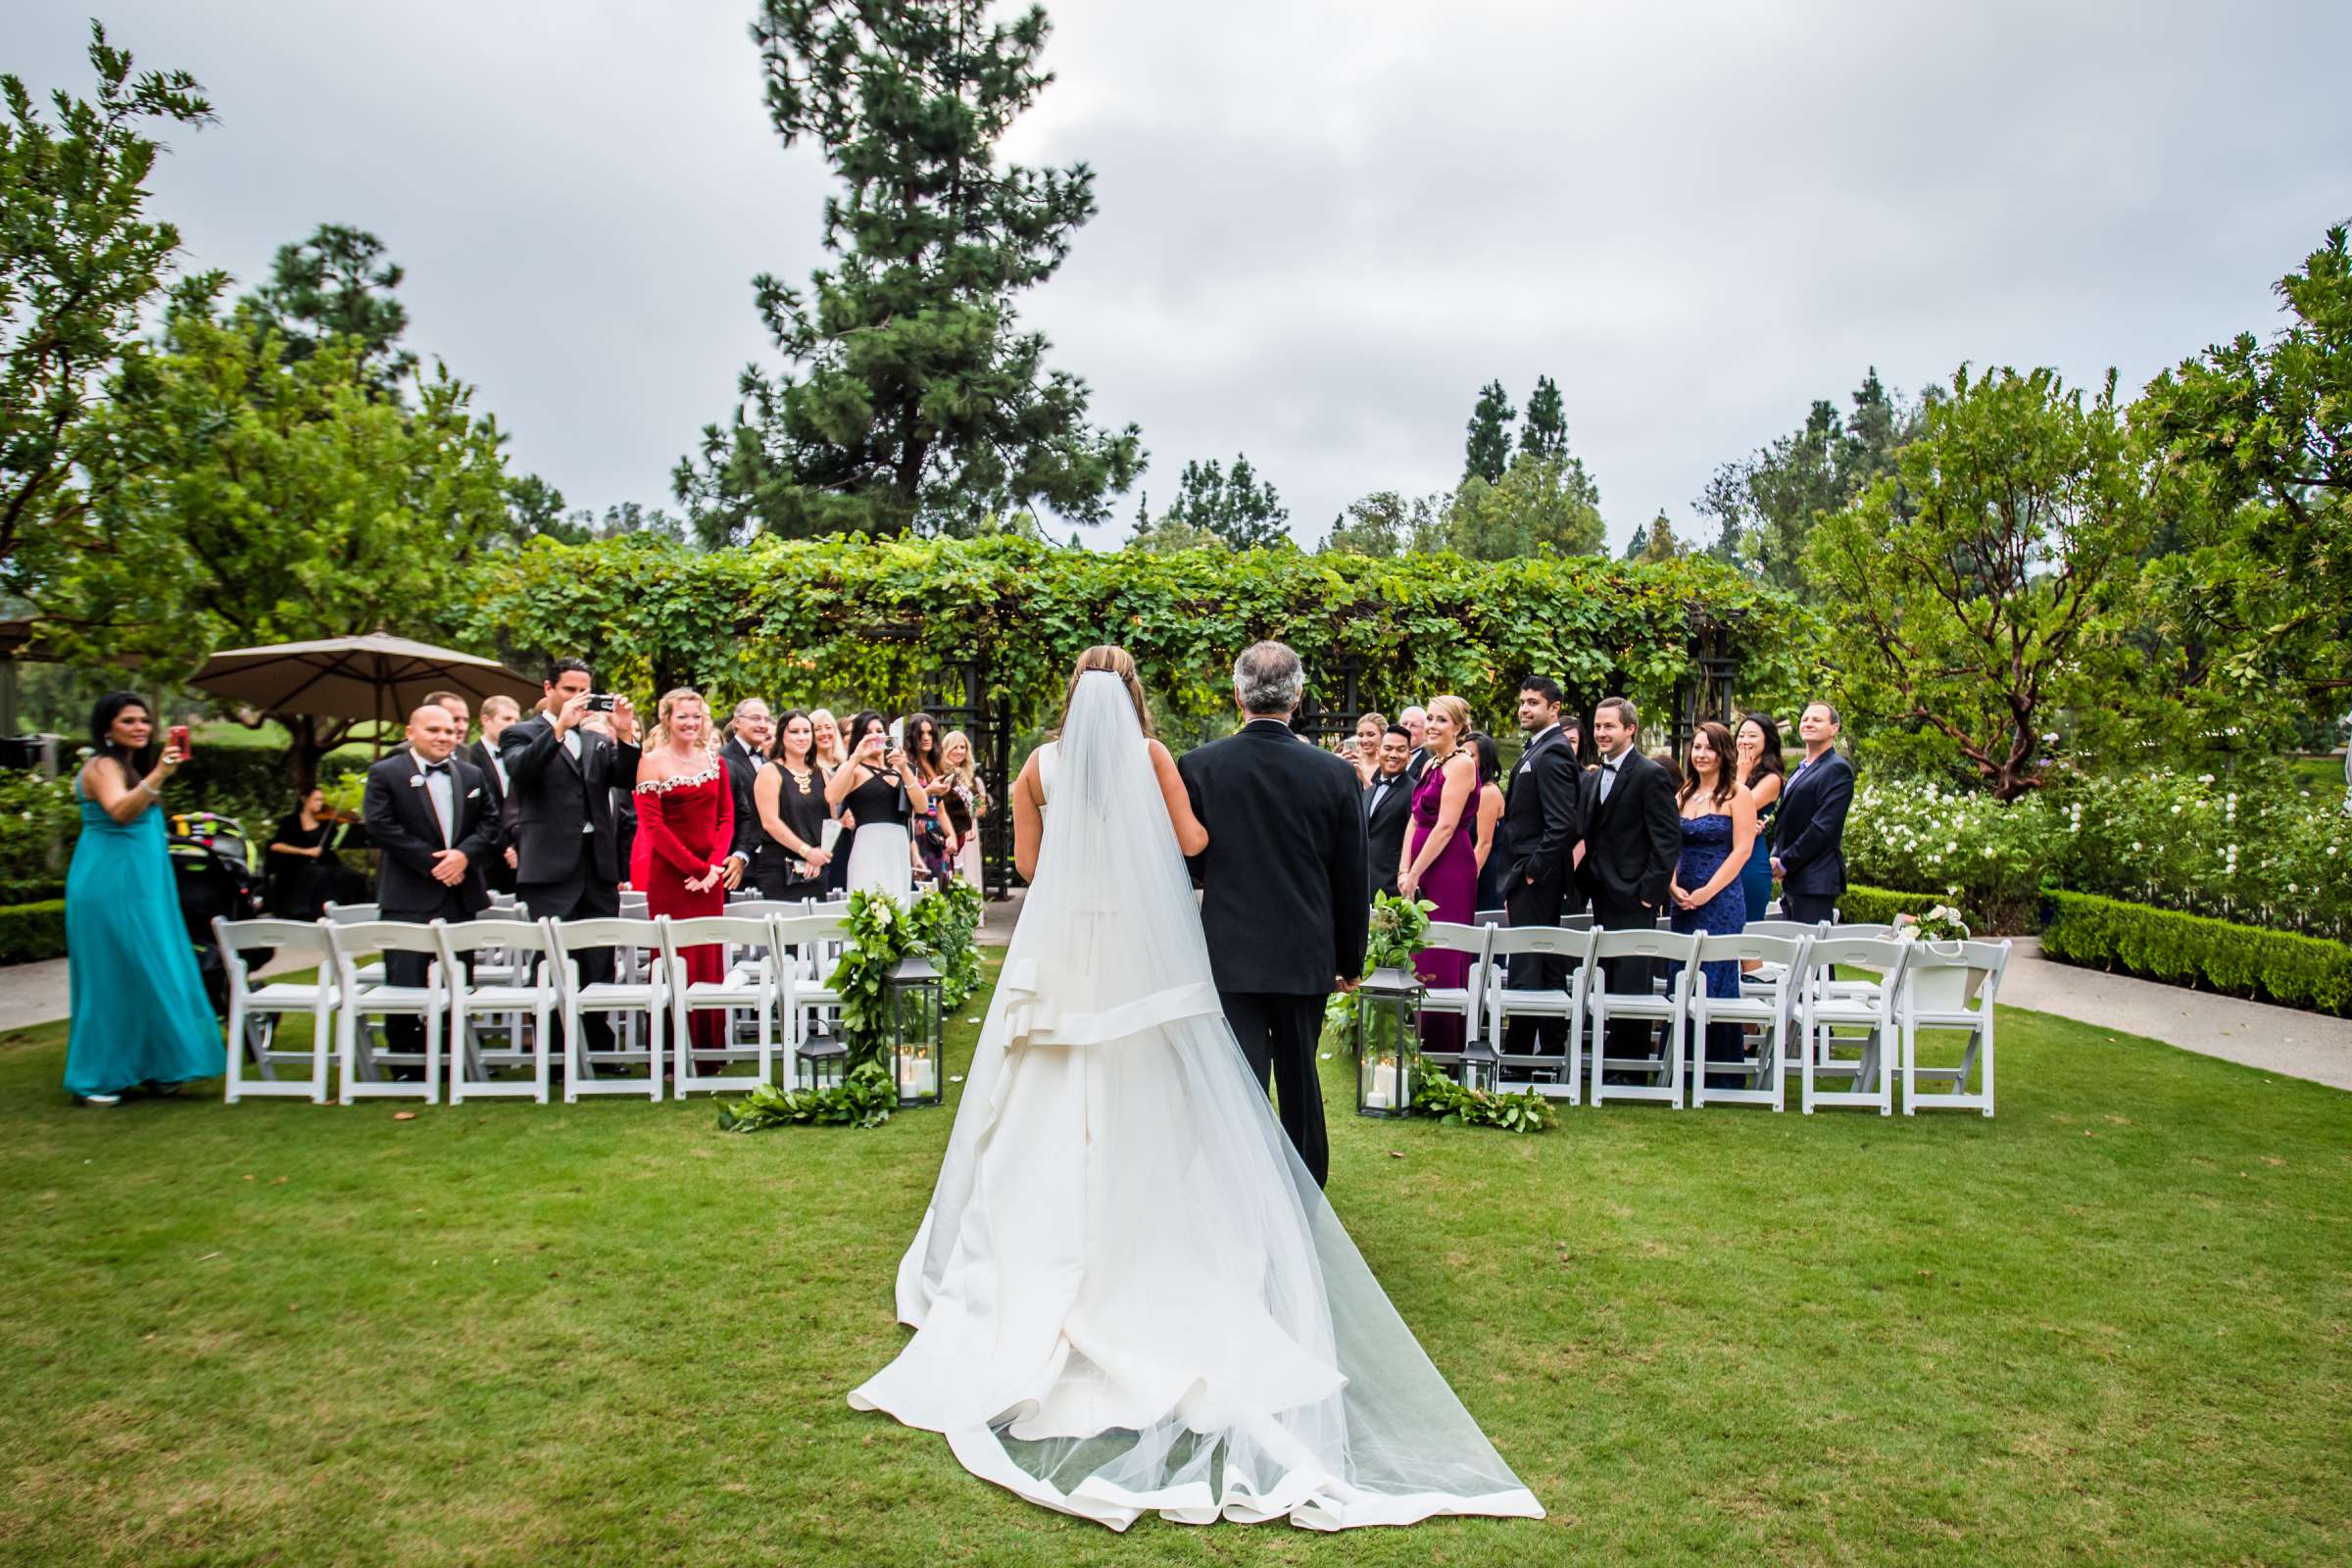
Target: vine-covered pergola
983,631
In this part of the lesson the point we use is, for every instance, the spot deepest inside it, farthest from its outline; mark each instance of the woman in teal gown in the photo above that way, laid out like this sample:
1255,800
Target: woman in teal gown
140,1016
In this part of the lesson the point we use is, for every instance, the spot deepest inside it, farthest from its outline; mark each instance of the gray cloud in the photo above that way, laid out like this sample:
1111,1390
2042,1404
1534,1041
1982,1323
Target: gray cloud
1323,227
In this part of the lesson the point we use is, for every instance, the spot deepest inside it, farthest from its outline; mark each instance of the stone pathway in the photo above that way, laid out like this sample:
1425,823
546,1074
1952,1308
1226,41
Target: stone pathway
2280,1040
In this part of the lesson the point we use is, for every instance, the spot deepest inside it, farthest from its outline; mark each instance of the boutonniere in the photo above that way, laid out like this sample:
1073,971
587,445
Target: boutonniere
415,781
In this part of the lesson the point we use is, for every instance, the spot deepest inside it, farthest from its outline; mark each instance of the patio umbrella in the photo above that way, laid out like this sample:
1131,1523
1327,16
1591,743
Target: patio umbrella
372,676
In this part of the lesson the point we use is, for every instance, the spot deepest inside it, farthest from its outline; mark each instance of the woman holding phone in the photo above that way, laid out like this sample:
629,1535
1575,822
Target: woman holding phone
140,1016
879,790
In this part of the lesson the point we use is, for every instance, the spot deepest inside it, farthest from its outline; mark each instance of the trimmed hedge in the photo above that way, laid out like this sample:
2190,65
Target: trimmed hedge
1880,907
2239,961
30,931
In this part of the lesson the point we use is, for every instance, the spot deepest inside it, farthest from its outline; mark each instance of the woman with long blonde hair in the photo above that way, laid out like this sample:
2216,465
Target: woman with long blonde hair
966,800
685,834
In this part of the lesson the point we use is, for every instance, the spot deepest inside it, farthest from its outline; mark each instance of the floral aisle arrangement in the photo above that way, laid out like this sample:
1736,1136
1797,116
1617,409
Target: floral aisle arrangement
1435,1094
940,926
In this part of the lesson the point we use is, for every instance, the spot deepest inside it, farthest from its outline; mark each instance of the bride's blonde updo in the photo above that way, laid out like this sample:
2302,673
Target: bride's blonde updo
1117,662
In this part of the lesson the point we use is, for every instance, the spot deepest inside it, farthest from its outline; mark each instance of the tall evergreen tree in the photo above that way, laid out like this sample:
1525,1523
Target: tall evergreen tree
337,283
1487,452
1546,433
918,402
1239,507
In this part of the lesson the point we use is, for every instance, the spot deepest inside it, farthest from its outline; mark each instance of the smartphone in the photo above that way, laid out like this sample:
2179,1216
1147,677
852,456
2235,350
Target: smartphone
176,737
601,702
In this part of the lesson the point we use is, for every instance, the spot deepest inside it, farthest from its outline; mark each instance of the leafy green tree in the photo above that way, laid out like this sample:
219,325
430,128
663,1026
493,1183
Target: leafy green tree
919,403
1387,523
1488,451
1168,534
1975,584
337,283
1541,504
78,262
248,498
2256,442
535,511
1545,435
1238,507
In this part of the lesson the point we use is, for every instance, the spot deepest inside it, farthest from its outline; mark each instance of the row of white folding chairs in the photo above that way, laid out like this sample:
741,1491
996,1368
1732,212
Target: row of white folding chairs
1793,996
507,967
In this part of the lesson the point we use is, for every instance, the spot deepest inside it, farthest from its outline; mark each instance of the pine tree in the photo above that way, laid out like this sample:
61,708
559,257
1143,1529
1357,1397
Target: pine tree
918,402
1239,507
337,285
1546,432
1487,452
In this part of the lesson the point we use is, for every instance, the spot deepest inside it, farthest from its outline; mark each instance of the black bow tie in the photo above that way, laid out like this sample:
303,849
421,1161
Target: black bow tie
441,768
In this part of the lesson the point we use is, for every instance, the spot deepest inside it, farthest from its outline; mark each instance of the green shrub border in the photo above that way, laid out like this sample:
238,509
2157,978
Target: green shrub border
2195,949
33,931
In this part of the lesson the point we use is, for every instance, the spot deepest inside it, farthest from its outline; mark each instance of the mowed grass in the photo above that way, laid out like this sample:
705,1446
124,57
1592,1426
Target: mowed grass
2107,1327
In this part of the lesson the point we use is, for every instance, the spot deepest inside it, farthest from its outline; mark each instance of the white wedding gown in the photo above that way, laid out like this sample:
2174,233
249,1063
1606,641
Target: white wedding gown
1128,1294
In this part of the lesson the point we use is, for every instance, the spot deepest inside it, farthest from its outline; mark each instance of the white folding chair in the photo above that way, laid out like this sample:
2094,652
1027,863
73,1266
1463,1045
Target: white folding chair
1875,932
1576,922
1951,991
835,909
1566,1002
1490,917
360,998
633,904
1448,935
1786,928
513,976
749,982
807,948
1767,1000
1829,1002
636,953
1669,1006
254,1010
371,973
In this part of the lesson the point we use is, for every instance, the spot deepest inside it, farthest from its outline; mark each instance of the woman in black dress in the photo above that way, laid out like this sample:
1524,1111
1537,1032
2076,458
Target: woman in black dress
877,791
301,866
790,792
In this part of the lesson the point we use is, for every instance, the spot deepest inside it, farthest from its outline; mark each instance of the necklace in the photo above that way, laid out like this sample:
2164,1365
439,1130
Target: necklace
801,779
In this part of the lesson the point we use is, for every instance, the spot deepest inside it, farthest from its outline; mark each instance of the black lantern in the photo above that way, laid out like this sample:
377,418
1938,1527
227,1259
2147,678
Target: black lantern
917,1002
1388,1042
1482,1068
823,1061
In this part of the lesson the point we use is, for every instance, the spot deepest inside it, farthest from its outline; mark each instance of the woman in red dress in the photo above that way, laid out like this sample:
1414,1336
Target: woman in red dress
685,826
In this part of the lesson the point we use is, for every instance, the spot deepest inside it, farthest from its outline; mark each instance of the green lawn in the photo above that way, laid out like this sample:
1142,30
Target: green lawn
2107,1327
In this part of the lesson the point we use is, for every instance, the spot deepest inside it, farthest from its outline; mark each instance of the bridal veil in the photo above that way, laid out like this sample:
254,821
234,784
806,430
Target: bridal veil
1127,1293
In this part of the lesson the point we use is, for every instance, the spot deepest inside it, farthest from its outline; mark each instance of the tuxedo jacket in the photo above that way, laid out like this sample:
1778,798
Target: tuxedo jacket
1385,826
1285,895
551,795
1810,829
1542,816
743,771
1633,840
478,753
398,809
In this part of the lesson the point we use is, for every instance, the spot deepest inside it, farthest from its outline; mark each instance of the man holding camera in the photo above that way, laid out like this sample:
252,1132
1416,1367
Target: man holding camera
560,777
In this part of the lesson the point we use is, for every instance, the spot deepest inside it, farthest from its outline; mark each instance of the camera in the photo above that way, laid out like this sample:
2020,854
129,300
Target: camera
601,702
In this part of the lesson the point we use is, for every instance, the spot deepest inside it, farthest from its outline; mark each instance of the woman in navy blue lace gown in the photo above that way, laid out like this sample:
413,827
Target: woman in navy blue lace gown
1719,829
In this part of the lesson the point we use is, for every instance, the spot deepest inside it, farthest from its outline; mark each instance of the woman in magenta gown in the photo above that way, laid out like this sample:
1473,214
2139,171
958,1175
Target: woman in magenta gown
1441,853
685,827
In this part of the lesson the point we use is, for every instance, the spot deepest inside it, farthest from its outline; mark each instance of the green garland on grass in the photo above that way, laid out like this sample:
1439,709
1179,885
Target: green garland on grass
1435,1094
865,1098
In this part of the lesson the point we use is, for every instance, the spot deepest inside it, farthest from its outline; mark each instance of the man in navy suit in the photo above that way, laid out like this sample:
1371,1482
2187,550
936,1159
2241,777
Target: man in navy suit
1808,841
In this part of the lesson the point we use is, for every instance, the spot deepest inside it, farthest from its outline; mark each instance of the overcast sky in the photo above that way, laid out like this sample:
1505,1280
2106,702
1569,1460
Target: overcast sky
1323,226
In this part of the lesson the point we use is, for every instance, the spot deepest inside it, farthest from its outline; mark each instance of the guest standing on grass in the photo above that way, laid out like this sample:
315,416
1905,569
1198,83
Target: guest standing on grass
430,815
140,1017
1808,846
499,714
1441,859
967,801
1719,827
789,802
1761,773
686,837
1633,840
1491,890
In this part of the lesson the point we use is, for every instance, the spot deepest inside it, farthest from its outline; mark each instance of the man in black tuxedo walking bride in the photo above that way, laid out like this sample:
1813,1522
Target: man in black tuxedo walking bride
1286,897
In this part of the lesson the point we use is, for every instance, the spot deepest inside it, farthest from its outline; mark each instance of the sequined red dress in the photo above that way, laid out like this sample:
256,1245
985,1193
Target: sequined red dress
684,827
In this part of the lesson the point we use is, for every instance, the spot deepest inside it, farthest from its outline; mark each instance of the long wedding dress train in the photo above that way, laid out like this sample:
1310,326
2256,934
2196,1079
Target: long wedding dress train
1128,1294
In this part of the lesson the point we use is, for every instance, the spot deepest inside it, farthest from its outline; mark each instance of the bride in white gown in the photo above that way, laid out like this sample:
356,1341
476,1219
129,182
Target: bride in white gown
1128,1294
